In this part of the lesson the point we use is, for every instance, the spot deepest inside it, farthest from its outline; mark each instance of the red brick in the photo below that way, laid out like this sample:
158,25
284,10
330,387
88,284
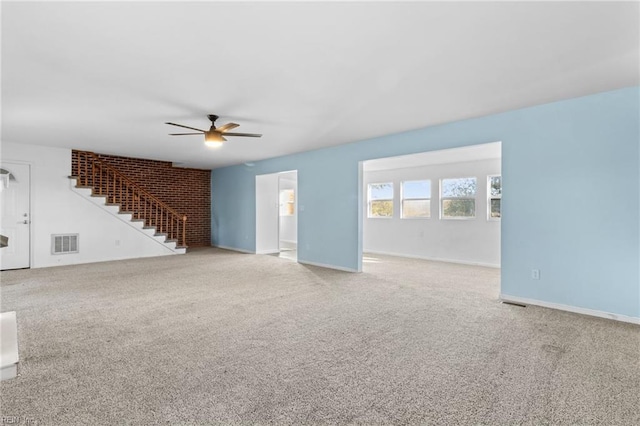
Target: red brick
188,191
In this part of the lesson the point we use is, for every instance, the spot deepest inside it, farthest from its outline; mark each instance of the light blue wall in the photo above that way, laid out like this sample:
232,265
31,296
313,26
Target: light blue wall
571,203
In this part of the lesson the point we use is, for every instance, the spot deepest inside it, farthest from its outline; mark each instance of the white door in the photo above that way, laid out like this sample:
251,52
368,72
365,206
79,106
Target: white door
15,216
267,209
288,210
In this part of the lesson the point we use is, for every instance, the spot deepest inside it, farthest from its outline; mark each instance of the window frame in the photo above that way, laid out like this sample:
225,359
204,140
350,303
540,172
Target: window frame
402,198
492,197
369,200
443,199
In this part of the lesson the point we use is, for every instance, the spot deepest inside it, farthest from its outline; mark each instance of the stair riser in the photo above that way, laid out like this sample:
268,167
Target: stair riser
115,209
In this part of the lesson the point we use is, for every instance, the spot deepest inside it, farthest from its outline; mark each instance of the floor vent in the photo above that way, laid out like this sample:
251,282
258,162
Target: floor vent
64,243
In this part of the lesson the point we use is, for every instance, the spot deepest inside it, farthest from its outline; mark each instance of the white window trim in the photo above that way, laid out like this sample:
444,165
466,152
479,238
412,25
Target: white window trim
416,199
369,200
490,197
442,199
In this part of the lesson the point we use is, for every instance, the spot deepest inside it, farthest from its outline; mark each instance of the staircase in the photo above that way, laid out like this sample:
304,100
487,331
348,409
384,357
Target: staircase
121,196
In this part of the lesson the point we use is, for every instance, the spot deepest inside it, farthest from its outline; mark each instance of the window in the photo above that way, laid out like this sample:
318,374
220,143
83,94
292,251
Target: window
381,199
495,197
458,198
416,199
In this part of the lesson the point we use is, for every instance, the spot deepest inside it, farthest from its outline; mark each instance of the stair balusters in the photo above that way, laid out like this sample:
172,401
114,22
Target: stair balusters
107,181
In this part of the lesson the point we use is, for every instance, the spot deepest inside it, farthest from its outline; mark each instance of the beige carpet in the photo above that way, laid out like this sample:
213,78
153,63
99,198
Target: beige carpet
216,337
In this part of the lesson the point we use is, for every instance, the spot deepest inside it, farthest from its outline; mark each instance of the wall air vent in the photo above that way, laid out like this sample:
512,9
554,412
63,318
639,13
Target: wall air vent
64,243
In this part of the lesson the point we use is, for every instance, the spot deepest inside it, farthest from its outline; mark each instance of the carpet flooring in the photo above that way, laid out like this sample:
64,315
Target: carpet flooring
217,337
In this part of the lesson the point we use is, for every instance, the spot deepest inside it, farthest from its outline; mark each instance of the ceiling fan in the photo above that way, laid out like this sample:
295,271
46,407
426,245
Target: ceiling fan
215,136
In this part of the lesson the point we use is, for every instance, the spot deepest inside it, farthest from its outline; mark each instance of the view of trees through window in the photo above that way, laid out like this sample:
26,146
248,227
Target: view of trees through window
495,196
416,199
458,197
381,199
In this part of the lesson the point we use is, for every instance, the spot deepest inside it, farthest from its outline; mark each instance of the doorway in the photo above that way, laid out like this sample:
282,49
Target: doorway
15,226
442,205
277,214
288,215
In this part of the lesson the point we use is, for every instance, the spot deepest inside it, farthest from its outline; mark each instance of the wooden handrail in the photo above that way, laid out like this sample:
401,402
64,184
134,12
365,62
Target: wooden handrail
97,160
93,172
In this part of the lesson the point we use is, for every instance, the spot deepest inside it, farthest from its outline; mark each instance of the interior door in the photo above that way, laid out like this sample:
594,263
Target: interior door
267,214
15,219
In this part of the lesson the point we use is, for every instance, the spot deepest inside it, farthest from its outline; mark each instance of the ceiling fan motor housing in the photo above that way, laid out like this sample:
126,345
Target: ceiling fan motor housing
213,136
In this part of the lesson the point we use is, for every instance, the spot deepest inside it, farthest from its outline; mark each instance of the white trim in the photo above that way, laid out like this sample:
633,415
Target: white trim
402,199
268,252
490,197
434,259
32,234
324,265
568,308
234,249
114,211
289,242
443,199
392,199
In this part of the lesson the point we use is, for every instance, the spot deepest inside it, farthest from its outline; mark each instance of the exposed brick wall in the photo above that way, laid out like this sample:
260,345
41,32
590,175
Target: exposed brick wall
188,191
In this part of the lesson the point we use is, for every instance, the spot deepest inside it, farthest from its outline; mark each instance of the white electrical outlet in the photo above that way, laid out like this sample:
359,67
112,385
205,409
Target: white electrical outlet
535,274
117,242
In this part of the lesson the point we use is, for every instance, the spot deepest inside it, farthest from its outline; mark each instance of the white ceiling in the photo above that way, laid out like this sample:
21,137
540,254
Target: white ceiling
484,151
106,76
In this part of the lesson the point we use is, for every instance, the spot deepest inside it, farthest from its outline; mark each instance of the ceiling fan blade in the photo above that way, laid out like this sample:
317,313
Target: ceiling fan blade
183,134
186,127
250,135
226,127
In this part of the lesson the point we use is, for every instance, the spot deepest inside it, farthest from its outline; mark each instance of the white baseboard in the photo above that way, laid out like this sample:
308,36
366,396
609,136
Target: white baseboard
434,259
234,249
568,308
289,242
324,265
268,252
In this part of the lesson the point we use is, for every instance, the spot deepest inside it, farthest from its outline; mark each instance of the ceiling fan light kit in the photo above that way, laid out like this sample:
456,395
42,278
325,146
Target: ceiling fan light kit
214,137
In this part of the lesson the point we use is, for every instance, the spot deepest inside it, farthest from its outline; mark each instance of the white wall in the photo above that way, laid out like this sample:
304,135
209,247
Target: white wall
473,241
56,209
289,224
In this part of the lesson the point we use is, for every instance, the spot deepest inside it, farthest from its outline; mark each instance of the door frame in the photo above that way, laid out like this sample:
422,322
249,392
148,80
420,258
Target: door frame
267,203
276,198
30,239
295,208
